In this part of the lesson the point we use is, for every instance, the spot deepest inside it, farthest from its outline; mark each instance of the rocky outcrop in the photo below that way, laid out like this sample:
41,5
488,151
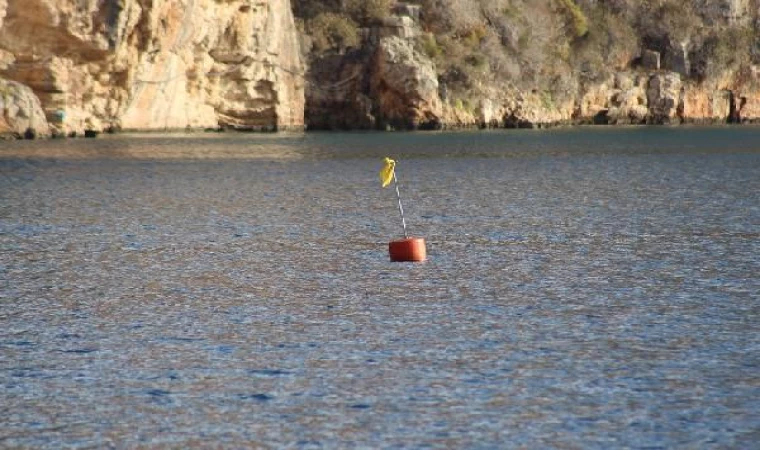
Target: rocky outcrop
747,106
405,86
706,106
156,64
625,98
663,96
628,102
387,83
384,84
68,66
21,114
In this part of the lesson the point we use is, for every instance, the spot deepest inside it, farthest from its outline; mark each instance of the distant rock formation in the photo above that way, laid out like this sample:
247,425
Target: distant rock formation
386,82
76,66
154,64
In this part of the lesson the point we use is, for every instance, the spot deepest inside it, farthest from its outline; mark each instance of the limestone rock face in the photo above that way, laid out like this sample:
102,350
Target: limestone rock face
156,64
747,104
595,99
20,111
405,85
384,83
531,110
706,105
663,95
628,100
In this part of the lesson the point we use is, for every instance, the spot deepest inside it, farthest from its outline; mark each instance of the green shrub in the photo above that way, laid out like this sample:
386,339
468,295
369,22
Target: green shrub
474,36
332,31
464,105
429,45
547,101
577,18
524,40
367,12
510,12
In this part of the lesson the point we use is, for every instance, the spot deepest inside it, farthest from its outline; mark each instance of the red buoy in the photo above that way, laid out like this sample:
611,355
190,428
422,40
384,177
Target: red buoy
410,249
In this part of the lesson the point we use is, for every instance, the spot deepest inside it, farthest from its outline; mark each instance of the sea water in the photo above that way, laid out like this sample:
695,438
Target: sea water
586,288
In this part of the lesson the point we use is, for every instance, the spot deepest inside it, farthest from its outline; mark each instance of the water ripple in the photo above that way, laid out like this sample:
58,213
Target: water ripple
584,289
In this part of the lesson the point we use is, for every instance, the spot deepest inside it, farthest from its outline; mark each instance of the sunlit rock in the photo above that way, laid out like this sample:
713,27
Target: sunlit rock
156,65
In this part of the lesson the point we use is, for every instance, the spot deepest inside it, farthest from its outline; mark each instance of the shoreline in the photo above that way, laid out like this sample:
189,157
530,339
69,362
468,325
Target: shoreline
585,124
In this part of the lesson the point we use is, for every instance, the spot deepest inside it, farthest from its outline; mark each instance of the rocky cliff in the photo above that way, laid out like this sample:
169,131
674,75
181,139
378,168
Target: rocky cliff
67,66
521,63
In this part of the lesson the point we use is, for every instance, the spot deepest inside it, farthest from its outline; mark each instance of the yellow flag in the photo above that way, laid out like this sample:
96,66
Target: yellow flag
386,173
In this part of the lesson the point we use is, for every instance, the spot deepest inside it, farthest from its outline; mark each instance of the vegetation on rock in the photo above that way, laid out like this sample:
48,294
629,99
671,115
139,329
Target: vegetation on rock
557,50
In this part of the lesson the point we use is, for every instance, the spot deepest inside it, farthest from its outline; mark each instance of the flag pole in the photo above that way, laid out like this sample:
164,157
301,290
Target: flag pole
400,208
407,249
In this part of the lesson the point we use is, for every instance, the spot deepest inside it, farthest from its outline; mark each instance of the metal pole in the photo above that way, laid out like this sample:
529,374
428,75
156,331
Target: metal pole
400,208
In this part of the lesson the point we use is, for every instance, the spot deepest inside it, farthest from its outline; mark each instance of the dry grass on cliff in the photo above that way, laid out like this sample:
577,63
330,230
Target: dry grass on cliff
555,44
330,31
333,25
548,45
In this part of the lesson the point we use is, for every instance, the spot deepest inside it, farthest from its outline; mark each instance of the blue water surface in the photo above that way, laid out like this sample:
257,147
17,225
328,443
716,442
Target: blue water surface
586,288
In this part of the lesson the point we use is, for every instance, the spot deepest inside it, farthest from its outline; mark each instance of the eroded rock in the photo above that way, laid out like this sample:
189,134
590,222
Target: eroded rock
404,85
21,113
664,97
163,64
